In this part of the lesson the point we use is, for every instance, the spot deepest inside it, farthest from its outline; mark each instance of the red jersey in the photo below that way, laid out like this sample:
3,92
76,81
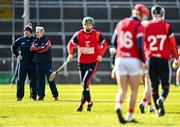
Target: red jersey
127,32
90,45
159,41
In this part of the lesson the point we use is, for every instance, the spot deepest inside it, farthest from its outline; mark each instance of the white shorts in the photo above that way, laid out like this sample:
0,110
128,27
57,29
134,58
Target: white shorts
128,66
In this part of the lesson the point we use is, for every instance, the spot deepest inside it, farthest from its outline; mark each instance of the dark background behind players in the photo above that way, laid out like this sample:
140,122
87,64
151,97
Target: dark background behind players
61,18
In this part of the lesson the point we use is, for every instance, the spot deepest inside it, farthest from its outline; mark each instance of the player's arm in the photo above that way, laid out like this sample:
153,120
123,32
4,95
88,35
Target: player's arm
35,48
103,45
70,47
14,47
114,42
140,39
172,41
46,47
112,50
112,62
174,50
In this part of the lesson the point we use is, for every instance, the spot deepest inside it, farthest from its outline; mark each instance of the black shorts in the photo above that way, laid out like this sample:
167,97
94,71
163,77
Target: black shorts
159,71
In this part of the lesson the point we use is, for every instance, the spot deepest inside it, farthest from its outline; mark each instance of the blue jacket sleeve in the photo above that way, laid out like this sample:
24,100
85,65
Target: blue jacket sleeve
114,45
14,47
114,40
140,48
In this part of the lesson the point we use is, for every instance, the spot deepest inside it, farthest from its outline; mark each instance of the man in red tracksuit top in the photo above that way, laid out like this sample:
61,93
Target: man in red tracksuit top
43,59
91,47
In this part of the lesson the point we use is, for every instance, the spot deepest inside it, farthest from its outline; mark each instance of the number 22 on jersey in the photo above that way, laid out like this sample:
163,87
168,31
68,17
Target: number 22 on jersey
156,42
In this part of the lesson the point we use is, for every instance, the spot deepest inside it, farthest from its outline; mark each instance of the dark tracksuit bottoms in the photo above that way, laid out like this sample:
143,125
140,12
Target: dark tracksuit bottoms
41,71
159,72
24,70
86,72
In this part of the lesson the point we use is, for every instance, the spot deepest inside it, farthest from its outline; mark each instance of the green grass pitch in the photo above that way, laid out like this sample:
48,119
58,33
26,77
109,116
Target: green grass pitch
63,113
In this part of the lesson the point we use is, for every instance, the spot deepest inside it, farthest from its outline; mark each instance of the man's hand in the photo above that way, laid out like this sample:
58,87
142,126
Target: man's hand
112,51
145,65
99,58
19,57
70,57
175,64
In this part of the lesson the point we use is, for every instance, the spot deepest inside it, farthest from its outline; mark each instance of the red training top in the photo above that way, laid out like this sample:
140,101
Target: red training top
159,41
90,45
127,31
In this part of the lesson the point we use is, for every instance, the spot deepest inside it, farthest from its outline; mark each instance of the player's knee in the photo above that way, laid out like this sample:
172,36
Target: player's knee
165,87
154,91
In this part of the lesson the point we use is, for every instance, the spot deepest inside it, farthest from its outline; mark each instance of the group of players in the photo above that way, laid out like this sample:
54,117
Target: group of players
139,47
146,45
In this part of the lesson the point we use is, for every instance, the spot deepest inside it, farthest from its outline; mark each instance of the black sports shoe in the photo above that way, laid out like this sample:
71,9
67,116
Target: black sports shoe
161,111
150,110
132,121
33,99
80,109
19,99
141,107
177,84
120,117
89,106
56,99
40,99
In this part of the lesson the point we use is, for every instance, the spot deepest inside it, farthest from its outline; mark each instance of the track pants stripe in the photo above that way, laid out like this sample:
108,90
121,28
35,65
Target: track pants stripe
92,74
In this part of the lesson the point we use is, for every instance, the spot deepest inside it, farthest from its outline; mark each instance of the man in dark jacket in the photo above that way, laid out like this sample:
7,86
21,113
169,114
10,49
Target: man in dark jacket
21,49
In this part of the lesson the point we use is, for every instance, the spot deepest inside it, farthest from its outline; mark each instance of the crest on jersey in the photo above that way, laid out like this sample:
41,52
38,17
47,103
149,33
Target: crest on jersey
87,43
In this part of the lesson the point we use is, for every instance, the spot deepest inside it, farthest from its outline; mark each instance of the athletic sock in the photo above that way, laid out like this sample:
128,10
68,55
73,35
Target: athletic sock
143,102
119,104
129,116
149,103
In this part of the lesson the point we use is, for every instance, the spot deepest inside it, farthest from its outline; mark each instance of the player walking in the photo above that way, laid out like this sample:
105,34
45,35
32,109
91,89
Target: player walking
159,44
91,47
147,86
127,37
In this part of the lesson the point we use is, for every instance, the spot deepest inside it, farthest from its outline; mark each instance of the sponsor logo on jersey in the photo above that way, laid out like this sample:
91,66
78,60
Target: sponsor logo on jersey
87,50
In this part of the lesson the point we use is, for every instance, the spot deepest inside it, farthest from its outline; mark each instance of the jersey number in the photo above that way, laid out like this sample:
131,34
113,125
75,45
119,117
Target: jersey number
126,39
153,41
